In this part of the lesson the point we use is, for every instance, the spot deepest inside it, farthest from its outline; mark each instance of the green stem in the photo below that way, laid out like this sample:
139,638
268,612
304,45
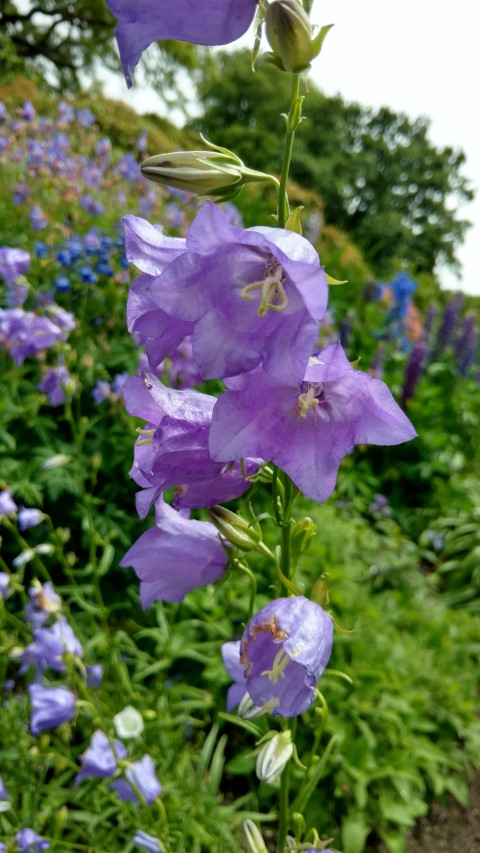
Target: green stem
293,120
283,808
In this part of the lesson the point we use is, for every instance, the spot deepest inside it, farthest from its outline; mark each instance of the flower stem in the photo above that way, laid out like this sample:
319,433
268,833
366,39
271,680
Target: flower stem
292,121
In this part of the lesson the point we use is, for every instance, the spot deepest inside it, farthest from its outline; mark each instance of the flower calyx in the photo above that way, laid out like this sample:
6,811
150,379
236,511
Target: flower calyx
235,529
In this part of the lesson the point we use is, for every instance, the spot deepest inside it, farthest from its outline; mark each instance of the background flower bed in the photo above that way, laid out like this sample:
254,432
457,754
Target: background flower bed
404,580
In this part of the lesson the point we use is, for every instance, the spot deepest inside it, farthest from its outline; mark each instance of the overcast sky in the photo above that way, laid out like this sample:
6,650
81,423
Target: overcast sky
418,56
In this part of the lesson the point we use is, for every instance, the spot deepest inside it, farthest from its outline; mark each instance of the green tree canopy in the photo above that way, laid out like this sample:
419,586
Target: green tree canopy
383,181
65,39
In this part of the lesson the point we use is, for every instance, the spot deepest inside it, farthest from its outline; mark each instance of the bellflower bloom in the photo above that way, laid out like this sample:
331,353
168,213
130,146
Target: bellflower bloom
49,647
254,296
4,795
29,517
141,774
51,706
175,556
13,263
43,602
7,504
128,723
206,22
30,842
231,660
306,429
99,760
147,842
53,383
5,589
284,651
94,674
173,447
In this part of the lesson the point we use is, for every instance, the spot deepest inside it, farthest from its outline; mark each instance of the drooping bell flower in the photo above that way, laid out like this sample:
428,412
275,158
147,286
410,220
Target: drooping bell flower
100,760
205,22
140,775
308,427
284,651
30,841
51,706
175,556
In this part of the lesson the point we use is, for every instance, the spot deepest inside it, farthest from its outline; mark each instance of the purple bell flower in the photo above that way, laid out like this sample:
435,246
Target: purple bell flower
7,504
51,706
49,647
254,296
284,651
141,774
13,262
4,795
5,589
29,517
30,842
206,22
175,556
173,448
94,675
43,602
233,665
306,429
53,383
147,842
99,760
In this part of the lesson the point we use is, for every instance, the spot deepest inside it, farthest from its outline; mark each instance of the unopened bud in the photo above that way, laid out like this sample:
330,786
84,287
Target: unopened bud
255,842
302,532
289,33
273,757
247,709
217,172
234,528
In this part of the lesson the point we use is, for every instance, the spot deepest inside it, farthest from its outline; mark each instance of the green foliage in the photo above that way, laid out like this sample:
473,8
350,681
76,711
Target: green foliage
380,176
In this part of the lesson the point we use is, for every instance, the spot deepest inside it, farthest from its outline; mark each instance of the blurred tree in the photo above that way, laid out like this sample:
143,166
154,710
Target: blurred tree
382,180
64,40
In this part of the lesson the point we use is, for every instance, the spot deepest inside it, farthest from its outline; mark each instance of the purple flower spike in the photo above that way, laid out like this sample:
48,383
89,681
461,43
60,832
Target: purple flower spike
175,556
141,774
30,842
254,296
99,760
307,429
284,651
205,22
51,706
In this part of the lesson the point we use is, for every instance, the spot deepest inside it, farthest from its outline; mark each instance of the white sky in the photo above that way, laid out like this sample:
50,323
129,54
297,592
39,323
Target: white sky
420,57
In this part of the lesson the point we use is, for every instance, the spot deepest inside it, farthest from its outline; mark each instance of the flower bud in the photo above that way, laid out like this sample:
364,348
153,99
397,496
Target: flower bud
255,842
217,172
289,33
302,532
273,757
234,528
247,709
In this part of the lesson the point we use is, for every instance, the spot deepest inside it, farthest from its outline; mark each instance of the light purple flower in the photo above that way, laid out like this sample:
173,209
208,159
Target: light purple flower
4,795
5,589
254,296
141,774
172,450
205,22
53,383
43,602
30,842
99,760
147,842
101,391
38,218
24,333
306,429
7,504
94,673
175,556
51,706
284,651
231,659
49,647
29,517
13,262
28,111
